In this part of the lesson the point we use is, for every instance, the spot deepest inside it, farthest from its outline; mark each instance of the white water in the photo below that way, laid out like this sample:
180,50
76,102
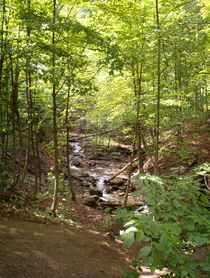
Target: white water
100,185
98,173
77,151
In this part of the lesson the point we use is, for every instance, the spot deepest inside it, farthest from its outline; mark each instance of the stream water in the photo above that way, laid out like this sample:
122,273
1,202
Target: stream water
99,173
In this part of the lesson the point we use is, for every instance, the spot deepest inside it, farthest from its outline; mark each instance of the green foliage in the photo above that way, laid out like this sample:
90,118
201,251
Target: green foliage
177,223
115,155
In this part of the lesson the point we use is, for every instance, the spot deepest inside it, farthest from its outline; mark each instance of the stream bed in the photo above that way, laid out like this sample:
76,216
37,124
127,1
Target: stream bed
93,174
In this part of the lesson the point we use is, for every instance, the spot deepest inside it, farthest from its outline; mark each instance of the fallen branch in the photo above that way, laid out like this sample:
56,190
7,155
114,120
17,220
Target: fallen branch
123,169
92,135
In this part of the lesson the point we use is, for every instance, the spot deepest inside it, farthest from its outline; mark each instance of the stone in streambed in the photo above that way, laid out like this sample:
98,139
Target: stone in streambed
85,175
117,181
95,191
91,201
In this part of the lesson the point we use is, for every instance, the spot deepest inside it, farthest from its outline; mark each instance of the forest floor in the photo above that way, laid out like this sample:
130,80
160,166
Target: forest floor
31,249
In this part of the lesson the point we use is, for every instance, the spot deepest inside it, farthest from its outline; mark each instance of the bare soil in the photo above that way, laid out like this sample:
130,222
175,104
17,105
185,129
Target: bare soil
32,250
37,250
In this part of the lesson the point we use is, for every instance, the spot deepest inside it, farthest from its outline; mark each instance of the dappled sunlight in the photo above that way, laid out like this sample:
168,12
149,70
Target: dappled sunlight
15,231
48,259
38,234
22,254
146,273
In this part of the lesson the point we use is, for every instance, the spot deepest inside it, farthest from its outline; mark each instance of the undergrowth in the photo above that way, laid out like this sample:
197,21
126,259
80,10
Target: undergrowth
176,225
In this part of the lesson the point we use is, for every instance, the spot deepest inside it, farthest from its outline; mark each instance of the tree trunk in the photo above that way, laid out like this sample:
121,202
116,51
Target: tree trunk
156,166
55,129
73,194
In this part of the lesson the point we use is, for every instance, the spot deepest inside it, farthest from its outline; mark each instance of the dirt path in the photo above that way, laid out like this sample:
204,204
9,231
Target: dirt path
35,250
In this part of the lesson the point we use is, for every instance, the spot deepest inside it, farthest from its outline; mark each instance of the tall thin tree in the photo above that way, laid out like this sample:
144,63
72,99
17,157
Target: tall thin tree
55,128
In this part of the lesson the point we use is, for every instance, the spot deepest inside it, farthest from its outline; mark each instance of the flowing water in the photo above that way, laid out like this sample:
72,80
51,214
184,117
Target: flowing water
98,172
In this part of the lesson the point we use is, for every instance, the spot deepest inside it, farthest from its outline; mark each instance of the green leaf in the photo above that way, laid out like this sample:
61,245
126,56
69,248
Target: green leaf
177,204
130,274
165,244
131,222
127,237
157,260
205,266
158,246
139,236
131,229
137,193
145,251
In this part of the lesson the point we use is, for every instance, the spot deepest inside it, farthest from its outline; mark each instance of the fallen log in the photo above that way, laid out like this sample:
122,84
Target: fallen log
92,135
123,169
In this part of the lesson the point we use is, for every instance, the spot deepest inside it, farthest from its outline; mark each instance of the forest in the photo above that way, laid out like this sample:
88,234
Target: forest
104,138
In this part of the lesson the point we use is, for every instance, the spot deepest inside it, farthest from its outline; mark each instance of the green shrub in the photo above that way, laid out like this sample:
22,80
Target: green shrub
177,223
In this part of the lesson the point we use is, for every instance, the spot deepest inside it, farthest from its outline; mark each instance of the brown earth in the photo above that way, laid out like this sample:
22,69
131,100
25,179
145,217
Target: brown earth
35,250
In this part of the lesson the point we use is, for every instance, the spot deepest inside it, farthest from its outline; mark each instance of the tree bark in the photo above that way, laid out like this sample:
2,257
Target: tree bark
73,194
156,166
55,129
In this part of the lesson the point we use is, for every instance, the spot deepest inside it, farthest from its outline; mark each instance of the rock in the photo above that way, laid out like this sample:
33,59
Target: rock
115,187
77,162
91,163
91,179
121,194
91,201
109,190
76,172
85,184
117,181
85,175
95,191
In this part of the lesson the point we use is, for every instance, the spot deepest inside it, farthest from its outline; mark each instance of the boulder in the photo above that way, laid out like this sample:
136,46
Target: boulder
91,201
91,179
117,181
85,183
85,175
77,162
95,191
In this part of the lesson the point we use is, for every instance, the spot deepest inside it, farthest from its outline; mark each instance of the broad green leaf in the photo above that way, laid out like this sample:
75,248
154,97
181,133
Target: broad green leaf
139,236
131,229
145,251
131,222
128,238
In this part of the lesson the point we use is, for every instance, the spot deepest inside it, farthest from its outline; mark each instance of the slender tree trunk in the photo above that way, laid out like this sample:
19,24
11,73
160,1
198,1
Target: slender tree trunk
14,105
73,194
1,75
206,99
2,122
38,158
138,123
129,174
55,129
156,166
137,85
31,143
